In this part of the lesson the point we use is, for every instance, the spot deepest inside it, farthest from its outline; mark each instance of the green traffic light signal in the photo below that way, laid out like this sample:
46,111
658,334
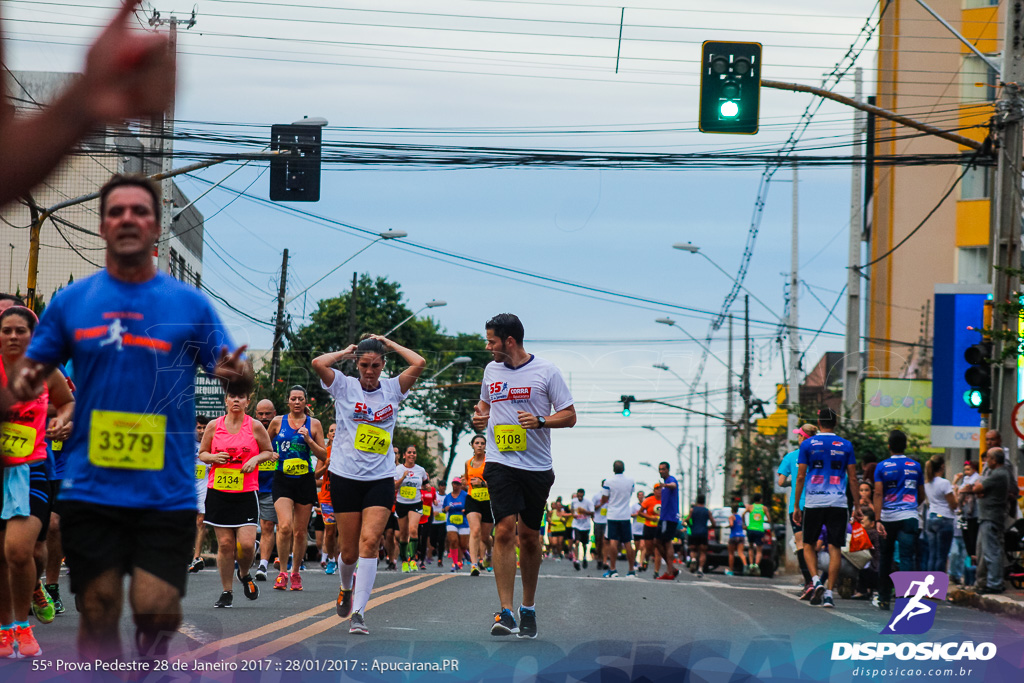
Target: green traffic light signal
626,400
730,84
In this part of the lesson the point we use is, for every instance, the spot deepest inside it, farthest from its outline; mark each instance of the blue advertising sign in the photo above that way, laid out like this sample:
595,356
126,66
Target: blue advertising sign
958,308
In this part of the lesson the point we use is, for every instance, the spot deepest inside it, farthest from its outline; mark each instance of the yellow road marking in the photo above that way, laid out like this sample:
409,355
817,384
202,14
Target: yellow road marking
267,649
277,625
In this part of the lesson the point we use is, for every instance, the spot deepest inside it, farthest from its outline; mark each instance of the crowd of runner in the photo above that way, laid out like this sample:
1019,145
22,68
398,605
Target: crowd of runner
101,445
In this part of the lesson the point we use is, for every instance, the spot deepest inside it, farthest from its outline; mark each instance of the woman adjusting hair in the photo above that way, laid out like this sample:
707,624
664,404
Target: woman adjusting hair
363,467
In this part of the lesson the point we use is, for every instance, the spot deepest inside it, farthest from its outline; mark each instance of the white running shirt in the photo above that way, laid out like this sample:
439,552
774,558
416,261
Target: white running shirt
365,428
536,387
620,491
585,522
416,477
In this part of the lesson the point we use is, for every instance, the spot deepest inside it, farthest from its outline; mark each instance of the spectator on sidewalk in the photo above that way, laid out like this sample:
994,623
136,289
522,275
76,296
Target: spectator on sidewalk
963,483
992,493
867,578
941,504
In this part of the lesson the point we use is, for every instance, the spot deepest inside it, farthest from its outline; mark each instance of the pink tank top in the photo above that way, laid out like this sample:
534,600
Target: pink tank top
239,447
23,429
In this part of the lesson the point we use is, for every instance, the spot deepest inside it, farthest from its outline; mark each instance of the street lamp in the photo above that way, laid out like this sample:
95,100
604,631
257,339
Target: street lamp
433,303
461,360
386,235
662,366
695,249
672,323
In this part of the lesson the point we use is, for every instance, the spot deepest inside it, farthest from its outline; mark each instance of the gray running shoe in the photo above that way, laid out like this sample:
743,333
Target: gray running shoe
358,625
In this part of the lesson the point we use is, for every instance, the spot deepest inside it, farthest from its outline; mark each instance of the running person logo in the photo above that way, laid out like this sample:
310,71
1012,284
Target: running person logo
912,614
115,334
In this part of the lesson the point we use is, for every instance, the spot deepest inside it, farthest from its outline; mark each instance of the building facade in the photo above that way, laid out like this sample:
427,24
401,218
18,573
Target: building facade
924,72
70,246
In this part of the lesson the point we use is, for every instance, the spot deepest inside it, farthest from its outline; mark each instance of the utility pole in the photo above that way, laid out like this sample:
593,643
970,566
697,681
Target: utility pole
703,488
793,391
279,322
727,479
745,395
162,144
1007,229
851,359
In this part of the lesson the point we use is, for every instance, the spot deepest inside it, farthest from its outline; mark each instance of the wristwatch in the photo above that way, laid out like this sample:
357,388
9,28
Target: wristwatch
541,422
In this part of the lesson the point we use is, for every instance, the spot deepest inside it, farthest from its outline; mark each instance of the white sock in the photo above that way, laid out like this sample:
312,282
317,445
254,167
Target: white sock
264,564
347,570
366,569
323,557
828,593
815,580
531,607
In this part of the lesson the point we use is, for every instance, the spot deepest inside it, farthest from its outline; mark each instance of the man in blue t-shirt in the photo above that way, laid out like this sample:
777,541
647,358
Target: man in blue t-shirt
899,489
135,336
668,521
787,477
826,469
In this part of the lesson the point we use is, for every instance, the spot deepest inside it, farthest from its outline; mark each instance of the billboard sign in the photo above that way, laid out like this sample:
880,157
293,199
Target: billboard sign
958,308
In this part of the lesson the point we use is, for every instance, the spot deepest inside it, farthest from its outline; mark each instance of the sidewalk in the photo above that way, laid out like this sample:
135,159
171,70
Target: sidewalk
1010,603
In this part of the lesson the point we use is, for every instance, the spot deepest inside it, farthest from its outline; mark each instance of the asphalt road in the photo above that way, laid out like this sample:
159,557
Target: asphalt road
718,628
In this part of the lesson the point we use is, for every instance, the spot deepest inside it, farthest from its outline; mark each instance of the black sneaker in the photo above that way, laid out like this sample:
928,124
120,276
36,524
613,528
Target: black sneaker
576,565
504,624
54,590
527,623
249,587
819,591
827,601
475,571
197,565
225,599
584,563
344,603
261,574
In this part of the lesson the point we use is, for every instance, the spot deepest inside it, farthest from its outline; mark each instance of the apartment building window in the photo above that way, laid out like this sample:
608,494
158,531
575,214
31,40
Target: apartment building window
975,4
972,265
977,181
978,81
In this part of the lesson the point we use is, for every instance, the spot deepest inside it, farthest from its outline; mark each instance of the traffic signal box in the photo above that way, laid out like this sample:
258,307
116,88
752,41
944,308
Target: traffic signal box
626,401
295,176
979,376
730,87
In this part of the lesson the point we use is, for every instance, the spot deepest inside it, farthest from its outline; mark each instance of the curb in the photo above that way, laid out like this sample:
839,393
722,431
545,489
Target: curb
996,604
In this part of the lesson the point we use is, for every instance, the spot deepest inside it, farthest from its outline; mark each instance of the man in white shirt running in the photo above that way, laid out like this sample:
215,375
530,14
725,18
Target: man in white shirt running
522,398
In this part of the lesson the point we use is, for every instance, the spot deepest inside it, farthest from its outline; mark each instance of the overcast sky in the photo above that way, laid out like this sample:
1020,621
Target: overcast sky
537,71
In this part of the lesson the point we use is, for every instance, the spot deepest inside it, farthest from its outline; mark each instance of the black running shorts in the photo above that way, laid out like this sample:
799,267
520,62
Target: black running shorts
403,509
300,490
98,538
518,492
833,519
353,495
483,507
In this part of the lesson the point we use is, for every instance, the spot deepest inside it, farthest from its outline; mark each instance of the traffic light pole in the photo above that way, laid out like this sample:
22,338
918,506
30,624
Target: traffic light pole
1006,232
877,111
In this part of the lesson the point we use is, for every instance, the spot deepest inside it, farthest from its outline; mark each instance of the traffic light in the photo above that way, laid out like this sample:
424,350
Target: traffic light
626,400
730,87
979,377
295,176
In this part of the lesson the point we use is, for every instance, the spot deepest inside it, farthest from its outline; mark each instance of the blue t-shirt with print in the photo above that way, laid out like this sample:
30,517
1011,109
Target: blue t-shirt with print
135,348
827,457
